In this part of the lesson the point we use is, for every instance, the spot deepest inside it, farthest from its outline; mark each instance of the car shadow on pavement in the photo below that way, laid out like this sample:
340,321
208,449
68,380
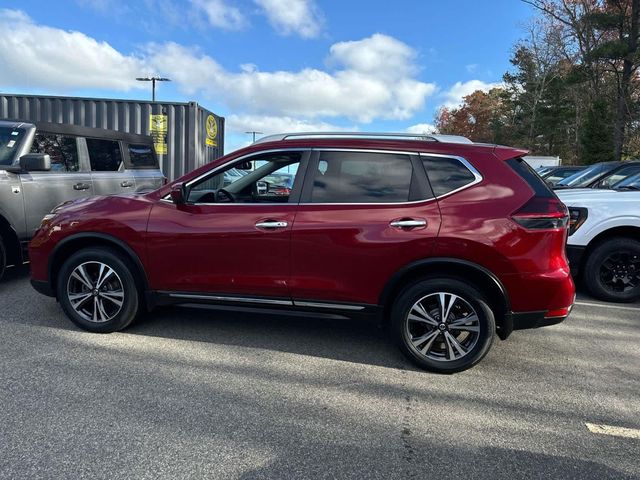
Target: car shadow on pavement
348,339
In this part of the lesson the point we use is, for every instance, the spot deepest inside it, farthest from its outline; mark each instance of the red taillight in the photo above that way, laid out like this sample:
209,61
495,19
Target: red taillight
558,312
542,213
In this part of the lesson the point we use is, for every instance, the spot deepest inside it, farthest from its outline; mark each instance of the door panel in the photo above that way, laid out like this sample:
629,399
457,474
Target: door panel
67,180
107,167
230,237
219,249
348,251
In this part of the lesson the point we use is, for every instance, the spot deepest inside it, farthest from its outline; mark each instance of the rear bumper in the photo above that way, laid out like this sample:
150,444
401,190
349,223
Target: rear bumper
527,320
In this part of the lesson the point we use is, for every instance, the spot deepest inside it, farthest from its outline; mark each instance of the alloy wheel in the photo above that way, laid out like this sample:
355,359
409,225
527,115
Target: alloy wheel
95,292
443,327
620,271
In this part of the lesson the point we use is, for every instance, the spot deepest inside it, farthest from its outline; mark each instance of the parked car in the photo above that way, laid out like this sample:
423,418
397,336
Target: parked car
604,239
44,164
553,175
600,175
447,242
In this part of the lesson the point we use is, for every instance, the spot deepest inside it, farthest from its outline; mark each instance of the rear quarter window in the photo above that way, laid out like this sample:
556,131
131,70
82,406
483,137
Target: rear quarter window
447,174
142,156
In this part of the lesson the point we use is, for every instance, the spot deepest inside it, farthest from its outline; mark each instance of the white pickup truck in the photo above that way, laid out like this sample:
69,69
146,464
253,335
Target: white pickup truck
604,239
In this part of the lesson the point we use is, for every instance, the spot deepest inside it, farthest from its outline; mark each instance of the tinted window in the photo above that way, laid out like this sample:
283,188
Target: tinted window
62,150
528,174
446,174
618,176
10,139
141,156
271,180
104,155
351,177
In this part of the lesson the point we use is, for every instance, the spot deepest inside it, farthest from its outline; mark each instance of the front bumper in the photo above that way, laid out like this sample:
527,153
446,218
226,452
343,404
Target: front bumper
575,254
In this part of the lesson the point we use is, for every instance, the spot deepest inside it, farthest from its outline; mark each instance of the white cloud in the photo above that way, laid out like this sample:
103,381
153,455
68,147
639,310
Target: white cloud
355,89
221,15
453,97
267,125
422,128
300,17
37,56
471,68
369,79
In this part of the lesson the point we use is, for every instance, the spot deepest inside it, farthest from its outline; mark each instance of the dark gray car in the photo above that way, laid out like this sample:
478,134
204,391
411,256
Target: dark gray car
45,164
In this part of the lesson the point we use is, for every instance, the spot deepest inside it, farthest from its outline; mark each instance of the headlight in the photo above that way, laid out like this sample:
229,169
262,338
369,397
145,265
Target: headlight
577,216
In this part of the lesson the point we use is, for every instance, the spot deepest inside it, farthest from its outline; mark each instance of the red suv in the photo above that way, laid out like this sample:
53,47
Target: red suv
447,241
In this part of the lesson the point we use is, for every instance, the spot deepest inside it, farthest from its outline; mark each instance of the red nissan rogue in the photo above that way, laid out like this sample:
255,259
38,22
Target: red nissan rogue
447,241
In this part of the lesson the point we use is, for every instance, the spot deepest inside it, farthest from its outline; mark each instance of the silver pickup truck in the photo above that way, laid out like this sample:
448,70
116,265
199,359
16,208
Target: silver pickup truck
45,164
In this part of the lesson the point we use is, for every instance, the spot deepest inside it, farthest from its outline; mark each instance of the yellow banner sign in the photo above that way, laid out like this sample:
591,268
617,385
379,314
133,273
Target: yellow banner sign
158,126
211,126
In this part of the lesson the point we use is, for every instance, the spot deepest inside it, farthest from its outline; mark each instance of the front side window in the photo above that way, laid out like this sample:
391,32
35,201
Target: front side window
270,179
361,177
10,140
446,174
618,176
62,150
104,155
141,156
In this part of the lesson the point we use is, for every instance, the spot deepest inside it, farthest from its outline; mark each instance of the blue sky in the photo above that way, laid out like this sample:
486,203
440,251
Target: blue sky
267,65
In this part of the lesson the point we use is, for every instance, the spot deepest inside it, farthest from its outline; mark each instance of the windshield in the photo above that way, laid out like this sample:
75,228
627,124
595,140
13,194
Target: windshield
629,183
587,175
10,139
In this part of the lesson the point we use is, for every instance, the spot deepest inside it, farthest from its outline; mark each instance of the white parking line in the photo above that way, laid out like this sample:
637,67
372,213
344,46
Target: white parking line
614,431
588,304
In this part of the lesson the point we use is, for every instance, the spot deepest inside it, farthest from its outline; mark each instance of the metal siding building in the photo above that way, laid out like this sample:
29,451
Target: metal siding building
186,136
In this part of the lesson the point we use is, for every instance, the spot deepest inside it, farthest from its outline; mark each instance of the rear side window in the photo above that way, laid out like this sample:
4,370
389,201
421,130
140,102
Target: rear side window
62,150
528,174
141,156
359,177
446,174
104,155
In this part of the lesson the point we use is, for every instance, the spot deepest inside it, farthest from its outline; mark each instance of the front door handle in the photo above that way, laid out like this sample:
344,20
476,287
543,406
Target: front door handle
81,186
127,184
272,224
405,223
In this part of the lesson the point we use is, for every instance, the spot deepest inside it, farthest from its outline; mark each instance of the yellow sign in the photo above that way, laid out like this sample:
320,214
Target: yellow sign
158,126
212,131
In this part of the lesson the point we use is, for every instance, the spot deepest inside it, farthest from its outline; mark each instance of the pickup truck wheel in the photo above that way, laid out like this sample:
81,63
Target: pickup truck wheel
443,325
612,270
97,290
3,258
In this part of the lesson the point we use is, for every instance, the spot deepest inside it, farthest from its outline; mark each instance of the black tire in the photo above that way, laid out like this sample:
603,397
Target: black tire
623,254
3,258
472,300
90,258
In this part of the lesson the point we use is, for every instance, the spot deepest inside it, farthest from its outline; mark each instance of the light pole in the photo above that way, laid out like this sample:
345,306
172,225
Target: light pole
254,135
153,81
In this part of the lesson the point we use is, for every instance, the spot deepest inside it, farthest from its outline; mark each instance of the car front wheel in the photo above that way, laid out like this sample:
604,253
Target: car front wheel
443,325
97,290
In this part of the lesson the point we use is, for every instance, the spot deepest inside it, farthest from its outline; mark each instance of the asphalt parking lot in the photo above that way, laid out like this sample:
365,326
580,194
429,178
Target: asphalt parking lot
199,393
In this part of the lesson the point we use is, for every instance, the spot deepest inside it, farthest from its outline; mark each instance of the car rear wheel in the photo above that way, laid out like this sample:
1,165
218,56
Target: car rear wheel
97,291
612,270
443,325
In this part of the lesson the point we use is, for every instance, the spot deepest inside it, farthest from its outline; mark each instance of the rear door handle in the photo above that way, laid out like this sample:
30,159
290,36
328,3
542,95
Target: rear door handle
408,223
127,184
81,186
272,224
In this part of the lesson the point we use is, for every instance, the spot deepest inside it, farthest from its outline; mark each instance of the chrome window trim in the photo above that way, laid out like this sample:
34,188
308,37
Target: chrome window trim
463,161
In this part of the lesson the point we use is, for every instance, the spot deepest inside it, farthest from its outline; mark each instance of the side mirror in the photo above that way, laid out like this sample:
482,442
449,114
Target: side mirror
178,194
244,166
35,162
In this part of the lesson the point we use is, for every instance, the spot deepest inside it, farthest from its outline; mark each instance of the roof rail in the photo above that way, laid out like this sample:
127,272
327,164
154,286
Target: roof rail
381,136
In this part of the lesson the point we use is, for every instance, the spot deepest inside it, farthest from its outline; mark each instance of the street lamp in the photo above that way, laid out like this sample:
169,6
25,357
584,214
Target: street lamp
153,81
254,135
